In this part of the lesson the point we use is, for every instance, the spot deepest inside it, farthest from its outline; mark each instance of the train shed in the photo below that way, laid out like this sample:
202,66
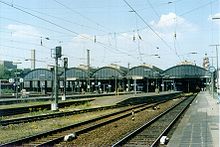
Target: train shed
38,80
187,78
145,77
76,79
109,78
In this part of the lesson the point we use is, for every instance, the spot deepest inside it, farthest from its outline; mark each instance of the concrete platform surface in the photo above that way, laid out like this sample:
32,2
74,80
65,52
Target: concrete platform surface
113,100
200,124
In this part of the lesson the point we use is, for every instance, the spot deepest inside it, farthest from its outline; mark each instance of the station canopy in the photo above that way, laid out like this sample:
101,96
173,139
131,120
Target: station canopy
186,71
144,71
75,73
109,72
39,74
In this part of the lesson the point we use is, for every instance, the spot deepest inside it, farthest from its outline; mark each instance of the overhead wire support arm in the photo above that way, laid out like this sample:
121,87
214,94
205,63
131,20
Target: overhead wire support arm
133,10
38,17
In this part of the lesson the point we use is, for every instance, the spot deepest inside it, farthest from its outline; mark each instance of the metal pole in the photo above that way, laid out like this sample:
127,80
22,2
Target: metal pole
64,85
64,82
128,78
217,76
0,88
33,59
212,81
88,70
188,85
57,55
115,85
52,83
16,84
56,82
147,85
135,88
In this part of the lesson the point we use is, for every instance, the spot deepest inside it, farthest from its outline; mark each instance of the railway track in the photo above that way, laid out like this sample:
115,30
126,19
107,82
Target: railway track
150,133
26,109
53,115
57,135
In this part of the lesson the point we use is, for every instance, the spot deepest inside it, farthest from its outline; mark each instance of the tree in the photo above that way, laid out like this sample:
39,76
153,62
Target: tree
4,73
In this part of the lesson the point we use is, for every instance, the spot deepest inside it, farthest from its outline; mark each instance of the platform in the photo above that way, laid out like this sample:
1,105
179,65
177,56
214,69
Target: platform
120,99
200,125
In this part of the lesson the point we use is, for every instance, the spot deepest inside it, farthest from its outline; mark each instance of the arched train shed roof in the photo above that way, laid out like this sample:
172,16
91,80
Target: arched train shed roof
39,74
76,73
143,71
107,72
186,71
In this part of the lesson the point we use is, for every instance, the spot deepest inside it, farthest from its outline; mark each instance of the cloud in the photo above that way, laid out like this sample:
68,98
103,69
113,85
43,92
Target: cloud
171,20
23,30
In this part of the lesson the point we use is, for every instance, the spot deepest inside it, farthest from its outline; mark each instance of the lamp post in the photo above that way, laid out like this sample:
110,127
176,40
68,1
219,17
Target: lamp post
217,76
212,70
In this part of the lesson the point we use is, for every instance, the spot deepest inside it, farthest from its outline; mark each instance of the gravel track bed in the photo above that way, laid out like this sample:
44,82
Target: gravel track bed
108,134
17,131
42,112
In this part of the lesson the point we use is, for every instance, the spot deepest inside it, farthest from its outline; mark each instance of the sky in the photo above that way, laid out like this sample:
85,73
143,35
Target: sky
157,32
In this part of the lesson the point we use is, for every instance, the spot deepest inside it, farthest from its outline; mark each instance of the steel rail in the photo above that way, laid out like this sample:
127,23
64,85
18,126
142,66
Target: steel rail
131,135
53,115
155,143
55,131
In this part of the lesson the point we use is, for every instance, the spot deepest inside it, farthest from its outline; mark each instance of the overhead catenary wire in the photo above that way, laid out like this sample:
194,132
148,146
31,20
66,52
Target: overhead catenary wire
20,48
20,22
48,21
107,29
148,25
22,58
182,14
196,8
138,28
175,32
72,10
152,7
85,17
59,26
59,18
128,31
97,35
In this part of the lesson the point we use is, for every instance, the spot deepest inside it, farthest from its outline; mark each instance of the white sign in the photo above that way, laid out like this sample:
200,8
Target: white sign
71,79
137,77
212,69
21,80
11,80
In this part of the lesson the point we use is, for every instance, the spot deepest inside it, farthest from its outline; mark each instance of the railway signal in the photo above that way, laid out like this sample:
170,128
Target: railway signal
56,54
65,65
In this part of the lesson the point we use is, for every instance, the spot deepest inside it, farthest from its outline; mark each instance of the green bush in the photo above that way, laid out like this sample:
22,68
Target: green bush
7,91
